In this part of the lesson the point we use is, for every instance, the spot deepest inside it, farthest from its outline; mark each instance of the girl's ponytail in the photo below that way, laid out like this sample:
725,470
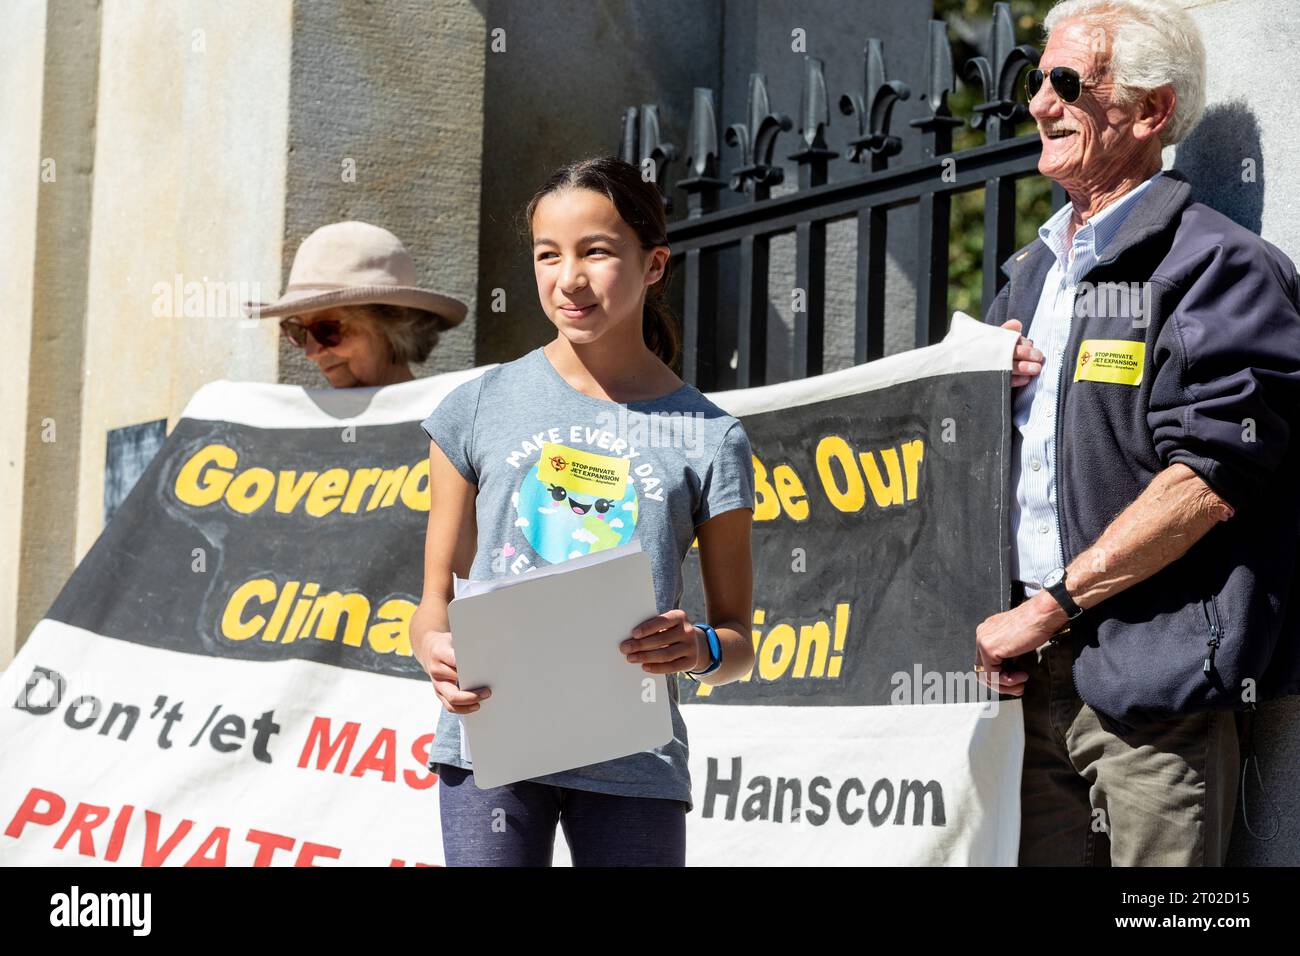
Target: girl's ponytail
658,327
641,206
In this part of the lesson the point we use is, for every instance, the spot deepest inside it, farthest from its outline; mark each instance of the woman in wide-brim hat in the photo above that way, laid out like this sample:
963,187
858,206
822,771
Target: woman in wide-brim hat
352,304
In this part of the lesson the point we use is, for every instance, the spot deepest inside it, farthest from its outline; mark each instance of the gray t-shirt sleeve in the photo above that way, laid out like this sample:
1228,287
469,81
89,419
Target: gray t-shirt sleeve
451,426
729,482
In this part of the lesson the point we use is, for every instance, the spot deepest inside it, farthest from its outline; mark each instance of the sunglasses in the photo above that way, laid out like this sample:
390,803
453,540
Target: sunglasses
1066,82
327,332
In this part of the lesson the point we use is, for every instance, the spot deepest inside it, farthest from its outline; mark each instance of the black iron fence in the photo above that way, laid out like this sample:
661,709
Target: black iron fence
866,194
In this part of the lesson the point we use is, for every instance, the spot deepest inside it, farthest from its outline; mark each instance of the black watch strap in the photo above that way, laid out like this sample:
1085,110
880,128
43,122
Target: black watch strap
1057,590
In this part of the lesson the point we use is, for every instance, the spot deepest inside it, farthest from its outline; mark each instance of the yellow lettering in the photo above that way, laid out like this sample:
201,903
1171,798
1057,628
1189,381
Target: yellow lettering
233,625
814,639
250,490
790,489
777,651
765,502
326,492
414,496
388,487
290,492
294,627
885,493
362,479
198,487
327,610
853,495
210,474
913,452
282,605
391,634
841,633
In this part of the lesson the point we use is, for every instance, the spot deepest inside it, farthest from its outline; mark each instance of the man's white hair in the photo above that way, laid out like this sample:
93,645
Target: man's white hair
1151,43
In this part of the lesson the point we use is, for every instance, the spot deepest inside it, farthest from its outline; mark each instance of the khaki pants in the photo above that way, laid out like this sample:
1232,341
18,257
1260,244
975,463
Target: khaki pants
1162,795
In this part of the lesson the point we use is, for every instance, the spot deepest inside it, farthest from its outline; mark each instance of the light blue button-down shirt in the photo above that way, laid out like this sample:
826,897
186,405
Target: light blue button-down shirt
1036,547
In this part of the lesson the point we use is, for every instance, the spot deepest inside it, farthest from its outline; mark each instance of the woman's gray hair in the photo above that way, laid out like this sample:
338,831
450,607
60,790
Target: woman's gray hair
411,333
1152,43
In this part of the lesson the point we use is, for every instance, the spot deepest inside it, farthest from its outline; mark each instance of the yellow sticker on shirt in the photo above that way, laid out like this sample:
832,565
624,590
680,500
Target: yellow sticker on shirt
583,473
1118,361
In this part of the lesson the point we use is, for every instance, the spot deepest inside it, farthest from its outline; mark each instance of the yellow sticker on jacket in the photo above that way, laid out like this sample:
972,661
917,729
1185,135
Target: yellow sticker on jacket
582,472
1118,361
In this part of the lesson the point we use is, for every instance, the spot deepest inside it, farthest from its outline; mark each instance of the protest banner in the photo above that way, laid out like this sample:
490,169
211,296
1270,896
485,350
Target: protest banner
227,679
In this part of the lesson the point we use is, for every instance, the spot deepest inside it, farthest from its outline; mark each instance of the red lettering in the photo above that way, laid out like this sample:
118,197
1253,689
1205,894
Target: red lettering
424,778
45,808
28,813
267,844
319,736
119,834
213,850
152,855
310,851
380,756
85,818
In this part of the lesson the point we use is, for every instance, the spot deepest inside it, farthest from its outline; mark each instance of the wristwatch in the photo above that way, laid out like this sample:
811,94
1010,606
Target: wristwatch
715,652
1054,584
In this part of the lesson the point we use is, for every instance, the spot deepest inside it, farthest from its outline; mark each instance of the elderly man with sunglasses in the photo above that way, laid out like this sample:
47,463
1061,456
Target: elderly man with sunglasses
1154,467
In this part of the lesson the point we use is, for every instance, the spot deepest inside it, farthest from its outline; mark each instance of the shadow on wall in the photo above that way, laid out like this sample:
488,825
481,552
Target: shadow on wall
1224,159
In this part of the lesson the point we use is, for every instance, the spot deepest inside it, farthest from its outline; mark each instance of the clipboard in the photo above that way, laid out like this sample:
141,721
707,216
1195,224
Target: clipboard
563,694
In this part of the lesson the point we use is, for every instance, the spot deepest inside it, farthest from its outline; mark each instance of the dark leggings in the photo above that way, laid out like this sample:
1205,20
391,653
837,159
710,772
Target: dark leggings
514,825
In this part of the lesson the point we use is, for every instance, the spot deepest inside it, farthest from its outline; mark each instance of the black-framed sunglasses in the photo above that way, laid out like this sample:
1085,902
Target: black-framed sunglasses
328,332
1067,82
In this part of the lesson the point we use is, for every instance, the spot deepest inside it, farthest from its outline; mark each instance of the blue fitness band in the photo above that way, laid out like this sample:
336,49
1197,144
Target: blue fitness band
715,652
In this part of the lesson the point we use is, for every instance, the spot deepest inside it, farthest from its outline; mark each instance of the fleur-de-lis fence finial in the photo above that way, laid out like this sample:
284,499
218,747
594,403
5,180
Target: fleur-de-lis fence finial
939,82
814,116
873,108
756,140
997,75
702,156
642,145
628,135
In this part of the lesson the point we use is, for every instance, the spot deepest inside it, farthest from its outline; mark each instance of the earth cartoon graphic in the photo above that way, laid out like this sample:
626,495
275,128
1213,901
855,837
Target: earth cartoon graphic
560,524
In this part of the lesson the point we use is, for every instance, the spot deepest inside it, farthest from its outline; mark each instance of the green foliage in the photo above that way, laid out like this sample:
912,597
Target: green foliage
1033,193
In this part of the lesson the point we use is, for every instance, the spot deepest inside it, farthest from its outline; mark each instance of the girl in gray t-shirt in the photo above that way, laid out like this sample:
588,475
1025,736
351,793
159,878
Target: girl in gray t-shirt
667,467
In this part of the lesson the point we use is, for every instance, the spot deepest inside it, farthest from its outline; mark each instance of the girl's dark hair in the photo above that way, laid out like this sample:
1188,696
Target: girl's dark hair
640,205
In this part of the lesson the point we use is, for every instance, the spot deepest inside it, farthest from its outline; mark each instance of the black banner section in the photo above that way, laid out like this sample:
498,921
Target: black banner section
880,542
266,544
